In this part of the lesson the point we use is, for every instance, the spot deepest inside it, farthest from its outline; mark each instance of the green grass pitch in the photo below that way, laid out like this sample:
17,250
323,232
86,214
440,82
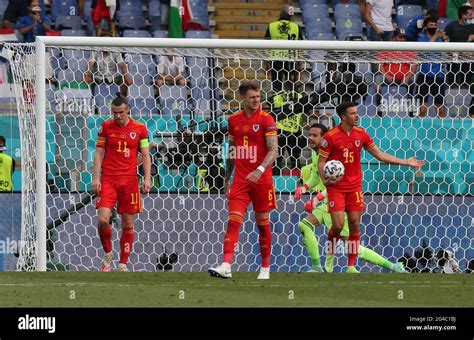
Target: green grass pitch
139,289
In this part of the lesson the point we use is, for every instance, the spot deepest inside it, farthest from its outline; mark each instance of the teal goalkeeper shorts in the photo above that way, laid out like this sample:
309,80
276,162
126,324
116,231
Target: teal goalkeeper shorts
324,217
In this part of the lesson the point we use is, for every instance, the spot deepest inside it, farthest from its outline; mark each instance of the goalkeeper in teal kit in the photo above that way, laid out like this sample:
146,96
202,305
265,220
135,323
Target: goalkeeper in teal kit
318,209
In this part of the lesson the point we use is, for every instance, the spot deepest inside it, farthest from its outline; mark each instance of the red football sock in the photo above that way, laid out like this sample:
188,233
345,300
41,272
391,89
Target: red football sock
265,241
126,242
332,241
105,235
353,249
231,236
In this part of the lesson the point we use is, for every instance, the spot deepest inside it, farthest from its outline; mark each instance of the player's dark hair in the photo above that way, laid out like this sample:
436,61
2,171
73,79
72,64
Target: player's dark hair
342,108
119,100
463,11
323,128
248,85
428,20
432,13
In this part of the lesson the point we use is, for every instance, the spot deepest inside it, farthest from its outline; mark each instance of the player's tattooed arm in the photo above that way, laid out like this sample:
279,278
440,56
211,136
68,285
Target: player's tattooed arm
272,146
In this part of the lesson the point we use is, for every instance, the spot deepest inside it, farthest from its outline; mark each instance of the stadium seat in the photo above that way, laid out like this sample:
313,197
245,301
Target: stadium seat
443,22
200,13
405,13
75,60
103,96
319,26
136,34
130,8
142,68
173,101
160,34
154,14
142,100
319,36
347,11
132,22
74,33
336,2
3,7
68,22
63,8
310,12
198,34
304,3
348,27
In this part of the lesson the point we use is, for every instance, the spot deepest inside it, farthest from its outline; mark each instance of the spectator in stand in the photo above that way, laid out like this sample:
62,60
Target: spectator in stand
453,7
378,15
33,24
15,10
415,27
392,73
164,13
462,31
104,9
170,71
431,80
108,67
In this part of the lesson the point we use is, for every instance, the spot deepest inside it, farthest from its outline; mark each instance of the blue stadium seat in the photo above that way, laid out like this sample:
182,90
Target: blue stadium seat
75,60
198,35
3,7
103,95
141,99
319,36
336,2
132,22
142,68
63,8
154,14
173,101
304,3
136,34
310,12
319,26
405,13
346,11
200,12
129,8
348,27
160,34
443,22
68,22
74,33
87,16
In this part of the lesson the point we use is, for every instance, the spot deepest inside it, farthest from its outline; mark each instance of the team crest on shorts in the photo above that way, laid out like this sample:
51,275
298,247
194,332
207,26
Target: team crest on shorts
357,142
98,199
133,135
255,127
331,204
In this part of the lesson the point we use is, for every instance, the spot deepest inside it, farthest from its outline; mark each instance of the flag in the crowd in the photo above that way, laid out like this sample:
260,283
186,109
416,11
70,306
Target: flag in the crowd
179,16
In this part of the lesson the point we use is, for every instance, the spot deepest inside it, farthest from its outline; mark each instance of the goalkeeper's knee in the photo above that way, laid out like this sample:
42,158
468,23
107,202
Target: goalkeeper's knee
305,226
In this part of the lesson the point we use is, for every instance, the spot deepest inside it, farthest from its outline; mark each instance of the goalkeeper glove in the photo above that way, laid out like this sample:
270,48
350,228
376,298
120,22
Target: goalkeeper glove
300,190
311,204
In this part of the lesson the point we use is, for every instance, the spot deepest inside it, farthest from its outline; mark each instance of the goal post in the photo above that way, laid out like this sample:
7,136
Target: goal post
229,61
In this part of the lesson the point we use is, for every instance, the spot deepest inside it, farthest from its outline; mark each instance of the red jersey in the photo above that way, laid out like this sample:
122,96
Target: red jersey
339,145
250,146
121,147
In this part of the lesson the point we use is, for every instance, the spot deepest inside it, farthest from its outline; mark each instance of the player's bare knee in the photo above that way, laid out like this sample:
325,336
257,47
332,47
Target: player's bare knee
103,222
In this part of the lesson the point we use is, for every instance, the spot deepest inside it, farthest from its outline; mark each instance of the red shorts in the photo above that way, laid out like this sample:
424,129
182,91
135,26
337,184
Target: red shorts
262,197
101,11
123,190
345,201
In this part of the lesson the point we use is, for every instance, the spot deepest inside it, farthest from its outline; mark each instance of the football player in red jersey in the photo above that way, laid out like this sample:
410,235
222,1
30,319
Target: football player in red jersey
115,177
253,148
344,143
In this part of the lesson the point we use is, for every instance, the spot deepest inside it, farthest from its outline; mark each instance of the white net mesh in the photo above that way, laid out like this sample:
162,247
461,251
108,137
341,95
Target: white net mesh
185,215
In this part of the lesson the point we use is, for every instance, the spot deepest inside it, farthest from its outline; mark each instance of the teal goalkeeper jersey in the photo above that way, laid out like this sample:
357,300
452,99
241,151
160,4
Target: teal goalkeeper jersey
314,182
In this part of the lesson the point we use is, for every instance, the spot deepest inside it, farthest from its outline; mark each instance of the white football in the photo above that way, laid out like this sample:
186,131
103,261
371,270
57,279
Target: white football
333,169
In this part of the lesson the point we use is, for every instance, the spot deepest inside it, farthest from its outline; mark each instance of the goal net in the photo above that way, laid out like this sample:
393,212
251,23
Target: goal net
414,99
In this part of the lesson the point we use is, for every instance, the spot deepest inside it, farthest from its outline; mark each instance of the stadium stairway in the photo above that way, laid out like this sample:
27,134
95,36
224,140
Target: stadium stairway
237,20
